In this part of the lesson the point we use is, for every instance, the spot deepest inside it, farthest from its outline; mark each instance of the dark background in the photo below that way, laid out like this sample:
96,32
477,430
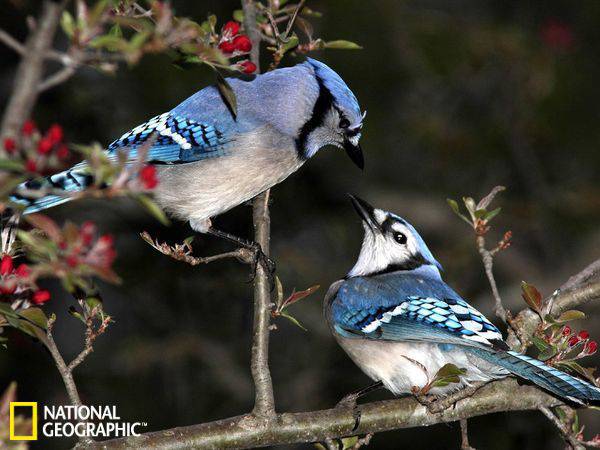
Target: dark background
461,96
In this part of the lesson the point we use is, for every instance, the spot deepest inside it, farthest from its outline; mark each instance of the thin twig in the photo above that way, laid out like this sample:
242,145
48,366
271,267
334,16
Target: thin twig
57,78
571,440
264,401
63,369
182,252
488,263
11,42
464,435
30,70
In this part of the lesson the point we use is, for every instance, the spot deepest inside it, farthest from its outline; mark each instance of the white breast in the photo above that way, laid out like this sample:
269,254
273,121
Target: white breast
404,365
200,190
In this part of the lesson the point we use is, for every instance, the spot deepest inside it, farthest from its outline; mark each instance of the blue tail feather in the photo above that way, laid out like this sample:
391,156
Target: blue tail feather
72,180
553,380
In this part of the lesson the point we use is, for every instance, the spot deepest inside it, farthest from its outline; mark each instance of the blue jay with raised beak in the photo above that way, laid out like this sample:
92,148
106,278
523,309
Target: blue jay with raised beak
400,323
209,161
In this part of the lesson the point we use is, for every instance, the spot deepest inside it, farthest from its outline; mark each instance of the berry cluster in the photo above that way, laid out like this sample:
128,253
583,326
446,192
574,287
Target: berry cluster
16,281
40,152
81,248
579,340
232,43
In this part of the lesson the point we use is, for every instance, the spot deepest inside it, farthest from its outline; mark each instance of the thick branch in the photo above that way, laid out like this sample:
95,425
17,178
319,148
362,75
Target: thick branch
317,426
264,402
31,69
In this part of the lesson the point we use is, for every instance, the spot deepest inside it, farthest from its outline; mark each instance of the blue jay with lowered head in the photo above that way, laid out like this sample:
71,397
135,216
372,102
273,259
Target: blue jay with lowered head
209,161
400,323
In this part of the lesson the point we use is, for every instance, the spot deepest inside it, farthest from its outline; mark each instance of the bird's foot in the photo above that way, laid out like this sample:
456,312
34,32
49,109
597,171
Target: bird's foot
267,264
349,402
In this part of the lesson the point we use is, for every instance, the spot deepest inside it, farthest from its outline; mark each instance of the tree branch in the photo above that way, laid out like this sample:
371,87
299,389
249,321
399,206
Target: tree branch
264,402
31,69
317,426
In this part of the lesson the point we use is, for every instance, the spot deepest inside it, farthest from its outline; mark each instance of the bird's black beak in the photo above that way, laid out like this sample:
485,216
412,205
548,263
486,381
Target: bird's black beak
355,153
365,211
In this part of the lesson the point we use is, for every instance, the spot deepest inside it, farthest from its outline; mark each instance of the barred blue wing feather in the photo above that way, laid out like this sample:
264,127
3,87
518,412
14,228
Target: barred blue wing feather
177,140
380,308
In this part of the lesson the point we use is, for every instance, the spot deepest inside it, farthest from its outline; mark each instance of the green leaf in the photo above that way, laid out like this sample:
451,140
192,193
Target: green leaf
342,45
491,214
449,373
238,15
470,205
36,316
571,314
279,291
10,165
454,206
550,352
227,94
67,23
349,442
153,208
109,42
539,343
532,296
7,311
292,319
292,42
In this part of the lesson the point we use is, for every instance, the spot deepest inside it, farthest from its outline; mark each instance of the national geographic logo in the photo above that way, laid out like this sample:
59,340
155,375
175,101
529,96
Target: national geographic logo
67,421
33,435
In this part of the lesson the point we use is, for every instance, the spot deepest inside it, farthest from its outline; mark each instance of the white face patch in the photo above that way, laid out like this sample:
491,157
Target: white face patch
381,250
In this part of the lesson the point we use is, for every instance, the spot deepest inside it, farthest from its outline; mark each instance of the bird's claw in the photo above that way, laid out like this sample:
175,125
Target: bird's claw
349,402
267,263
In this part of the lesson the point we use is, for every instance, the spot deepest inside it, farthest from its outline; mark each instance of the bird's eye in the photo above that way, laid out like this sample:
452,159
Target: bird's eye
344,123
400,238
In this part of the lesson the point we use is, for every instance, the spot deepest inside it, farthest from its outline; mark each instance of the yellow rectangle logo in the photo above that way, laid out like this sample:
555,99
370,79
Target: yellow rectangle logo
34,419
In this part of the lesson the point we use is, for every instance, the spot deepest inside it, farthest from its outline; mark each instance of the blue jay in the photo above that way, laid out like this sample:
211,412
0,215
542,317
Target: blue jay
209,161
400,323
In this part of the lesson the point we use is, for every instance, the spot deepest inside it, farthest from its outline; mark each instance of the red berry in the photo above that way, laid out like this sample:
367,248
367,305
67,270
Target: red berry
573,341
248,66
227,47
8,288
40,297
557,35
148,176
22,271
6,265
231,28
242,43
30,165
44,146
10,145
72,261
55,133
566,330
583,335
87,232
28,128
62,152
106,240
591,347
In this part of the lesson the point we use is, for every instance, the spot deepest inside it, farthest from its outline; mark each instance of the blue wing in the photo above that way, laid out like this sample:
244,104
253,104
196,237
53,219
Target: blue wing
406,307
177,140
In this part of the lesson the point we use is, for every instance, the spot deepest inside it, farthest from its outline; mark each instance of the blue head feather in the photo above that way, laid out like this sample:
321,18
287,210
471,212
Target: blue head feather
343,97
